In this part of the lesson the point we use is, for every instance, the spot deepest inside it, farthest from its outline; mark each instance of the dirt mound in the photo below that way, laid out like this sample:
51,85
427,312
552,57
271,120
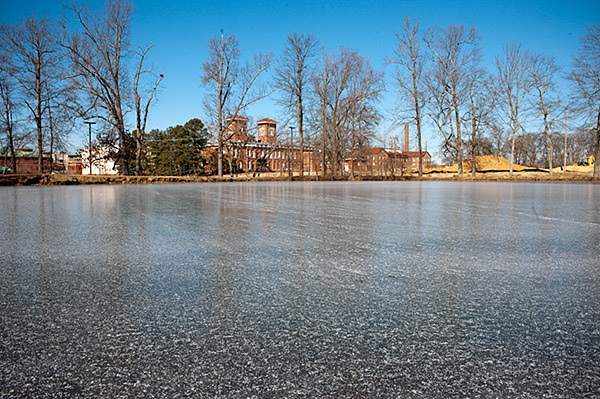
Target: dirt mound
575,168
488,163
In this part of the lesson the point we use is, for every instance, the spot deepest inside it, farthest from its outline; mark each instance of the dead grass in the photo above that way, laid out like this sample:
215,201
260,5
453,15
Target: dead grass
489,168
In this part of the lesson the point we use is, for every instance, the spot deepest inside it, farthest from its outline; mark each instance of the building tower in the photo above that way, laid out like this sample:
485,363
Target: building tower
237,128
267,131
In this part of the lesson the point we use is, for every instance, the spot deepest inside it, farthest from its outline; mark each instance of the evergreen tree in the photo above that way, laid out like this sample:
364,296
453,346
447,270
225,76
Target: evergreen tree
176,150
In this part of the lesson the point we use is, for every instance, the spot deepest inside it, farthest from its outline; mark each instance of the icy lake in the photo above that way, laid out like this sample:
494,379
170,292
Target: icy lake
324,289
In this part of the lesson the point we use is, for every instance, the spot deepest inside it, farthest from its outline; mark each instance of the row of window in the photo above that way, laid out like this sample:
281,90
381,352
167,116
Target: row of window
237,153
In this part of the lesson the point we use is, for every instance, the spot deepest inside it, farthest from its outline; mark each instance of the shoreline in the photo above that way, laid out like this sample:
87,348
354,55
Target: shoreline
496,176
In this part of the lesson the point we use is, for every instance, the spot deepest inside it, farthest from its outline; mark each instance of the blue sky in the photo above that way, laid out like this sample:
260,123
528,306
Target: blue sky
180,31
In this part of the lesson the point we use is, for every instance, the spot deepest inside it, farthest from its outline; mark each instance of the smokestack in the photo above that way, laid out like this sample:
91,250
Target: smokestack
406,148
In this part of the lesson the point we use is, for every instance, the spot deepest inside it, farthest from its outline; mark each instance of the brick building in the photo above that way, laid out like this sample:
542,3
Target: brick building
67,163
384,161
265,153
26,161
411,158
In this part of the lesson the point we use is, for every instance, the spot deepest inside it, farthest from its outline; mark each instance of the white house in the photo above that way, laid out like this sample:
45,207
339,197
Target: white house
101,163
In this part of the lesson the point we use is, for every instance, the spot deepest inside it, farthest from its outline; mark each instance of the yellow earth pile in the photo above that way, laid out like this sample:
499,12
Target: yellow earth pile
575,168
485,163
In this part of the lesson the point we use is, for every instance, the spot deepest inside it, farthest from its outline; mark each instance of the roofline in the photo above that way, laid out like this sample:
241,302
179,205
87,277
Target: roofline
265,121
237,117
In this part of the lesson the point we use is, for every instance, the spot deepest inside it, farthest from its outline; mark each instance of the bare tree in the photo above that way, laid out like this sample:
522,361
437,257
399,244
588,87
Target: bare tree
34,60
528,149
455,51
440,112
322,81
542,70
141,110
410,63
61,104
293,74
585,77
230,85
98,51
60,118
581,143
7,111
481,105
363,120
345,83
500,140
513,85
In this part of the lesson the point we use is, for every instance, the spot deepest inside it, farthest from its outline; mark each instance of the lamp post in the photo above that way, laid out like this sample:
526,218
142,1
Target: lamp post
291,160
90,123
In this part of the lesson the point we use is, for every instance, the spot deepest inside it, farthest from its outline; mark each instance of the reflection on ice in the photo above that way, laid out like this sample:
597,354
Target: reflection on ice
305,289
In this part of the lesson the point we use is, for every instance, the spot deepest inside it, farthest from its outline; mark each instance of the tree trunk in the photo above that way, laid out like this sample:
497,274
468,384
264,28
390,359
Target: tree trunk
473,147
301,132
458,141
220,139
220,159
139,135
323,144
418,120
419,144
38,120
11,140
335,160
40,145
352,149
473,135
9,130
597,145
565,155
51,126
12,152
548,142
123,147
138,154
512,151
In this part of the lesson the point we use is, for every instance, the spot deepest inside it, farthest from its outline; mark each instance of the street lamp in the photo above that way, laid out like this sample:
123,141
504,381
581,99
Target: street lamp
90,123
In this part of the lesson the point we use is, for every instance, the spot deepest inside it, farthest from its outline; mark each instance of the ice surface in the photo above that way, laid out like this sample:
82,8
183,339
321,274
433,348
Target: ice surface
371,289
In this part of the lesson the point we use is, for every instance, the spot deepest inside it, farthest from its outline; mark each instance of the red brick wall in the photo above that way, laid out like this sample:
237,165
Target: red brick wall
28,165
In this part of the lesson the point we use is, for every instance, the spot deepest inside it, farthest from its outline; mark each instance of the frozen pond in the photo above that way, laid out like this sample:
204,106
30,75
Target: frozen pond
400,289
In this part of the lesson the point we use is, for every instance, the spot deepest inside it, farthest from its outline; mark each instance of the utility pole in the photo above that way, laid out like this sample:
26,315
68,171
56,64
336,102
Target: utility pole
90,123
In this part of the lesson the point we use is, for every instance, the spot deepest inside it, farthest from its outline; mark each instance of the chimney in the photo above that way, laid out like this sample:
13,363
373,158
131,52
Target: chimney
406,147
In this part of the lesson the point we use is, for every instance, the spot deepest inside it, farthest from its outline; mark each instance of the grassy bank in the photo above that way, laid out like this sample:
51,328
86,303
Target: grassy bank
52,180
57,180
